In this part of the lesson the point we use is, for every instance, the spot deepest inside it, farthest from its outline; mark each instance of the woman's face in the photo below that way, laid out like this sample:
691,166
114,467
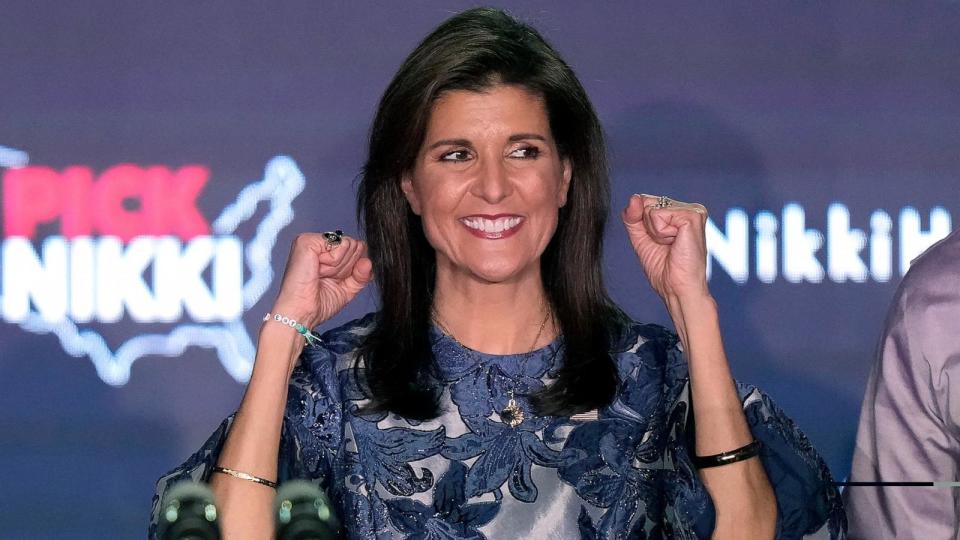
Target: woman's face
488,183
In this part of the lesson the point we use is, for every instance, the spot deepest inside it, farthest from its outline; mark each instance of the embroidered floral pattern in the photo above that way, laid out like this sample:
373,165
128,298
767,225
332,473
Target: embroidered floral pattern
449,517
468,475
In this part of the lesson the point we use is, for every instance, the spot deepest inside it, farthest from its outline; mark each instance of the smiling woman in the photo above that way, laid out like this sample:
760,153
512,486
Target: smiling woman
490,171
499,392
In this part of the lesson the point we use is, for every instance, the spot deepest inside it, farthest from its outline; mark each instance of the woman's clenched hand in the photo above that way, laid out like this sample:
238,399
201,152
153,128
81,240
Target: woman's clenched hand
671,245
320,279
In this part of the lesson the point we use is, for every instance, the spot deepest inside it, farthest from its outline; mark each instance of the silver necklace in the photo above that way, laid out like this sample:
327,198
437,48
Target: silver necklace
512,414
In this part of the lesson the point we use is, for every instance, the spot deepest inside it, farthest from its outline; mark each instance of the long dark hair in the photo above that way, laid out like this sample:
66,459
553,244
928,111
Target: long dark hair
475,50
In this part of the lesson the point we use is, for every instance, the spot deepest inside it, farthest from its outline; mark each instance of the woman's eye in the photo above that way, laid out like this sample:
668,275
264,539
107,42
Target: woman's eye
456,155
526,152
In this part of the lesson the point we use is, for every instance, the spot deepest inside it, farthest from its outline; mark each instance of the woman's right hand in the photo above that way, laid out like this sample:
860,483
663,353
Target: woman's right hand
319,280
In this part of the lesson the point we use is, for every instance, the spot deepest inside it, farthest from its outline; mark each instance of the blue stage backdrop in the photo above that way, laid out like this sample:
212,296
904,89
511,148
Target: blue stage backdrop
157,159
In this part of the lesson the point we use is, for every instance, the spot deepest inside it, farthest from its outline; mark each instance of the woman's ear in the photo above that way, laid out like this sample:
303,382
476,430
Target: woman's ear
567,166
406,185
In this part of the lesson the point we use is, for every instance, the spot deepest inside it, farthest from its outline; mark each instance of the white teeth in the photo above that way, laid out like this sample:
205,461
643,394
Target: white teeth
492,225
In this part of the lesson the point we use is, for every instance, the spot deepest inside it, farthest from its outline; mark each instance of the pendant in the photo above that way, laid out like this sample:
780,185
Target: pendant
512,414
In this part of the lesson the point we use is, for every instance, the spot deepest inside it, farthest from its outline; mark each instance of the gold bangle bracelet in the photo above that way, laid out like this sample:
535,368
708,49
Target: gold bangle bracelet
245,476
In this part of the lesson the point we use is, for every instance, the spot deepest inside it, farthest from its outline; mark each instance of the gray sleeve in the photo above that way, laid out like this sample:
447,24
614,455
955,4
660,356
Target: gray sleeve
908,424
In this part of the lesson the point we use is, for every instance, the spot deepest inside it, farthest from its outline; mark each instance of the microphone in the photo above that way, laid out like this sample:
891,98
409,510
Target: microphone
188,513
303,512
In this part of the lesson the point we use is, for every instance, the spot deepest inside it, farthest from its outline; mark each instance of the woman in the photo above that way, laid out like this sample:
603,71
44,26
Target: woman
498,392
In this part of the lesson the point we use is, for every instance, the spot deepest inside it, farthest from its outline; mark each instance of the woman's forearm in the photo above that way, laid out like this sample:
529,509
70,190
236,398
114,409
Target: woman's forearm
741,492
252,443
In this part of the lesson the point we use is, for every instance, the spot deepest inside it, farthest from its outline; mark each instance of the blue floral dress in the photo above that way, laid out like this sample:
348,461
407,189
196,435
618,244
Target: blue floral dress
621,472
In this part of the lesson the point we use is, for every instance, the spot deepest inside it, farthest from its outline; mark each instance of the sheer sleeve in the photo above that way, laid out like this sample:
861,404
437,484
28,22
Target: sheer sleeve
309,436
808,504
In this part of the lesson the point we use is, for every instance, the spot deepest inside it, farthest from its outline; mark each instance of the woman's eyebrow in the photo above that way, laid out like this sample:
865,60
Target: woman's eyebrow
450,142
464,142
523,136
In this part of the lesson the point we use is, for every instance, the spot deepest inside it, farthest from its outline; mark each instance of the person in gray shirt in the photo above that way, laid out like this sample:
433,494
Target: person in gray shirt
910,422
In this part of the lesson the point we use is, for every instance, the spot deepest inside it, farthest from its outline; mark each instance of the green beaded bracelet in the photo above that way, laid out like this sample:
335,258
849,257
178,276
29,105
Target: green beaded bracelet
312,339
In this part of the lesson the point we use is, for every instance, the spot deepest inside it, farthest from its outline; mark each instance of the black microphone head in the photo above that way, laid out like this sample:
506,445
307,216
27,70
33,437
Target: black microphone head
303,512
188,513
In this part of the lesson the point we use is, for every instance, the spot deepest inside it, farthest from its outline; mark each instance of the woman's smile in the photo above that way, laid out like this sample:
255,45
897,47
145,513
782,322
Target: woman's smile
495,227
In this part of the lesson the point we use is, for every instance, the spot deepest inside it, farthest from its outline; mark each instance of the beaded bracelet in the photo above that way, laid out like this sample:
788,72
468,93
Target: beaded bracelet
725,458
312,339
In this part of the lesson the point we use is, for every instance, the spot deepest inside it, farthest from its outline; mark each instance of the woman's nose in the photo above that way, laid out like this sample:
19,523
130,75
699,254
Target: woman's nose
493,183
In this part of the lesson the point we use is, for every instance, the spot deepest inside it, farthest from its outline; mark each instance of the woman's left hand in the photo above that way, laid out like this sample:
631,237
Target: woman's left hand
671,245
